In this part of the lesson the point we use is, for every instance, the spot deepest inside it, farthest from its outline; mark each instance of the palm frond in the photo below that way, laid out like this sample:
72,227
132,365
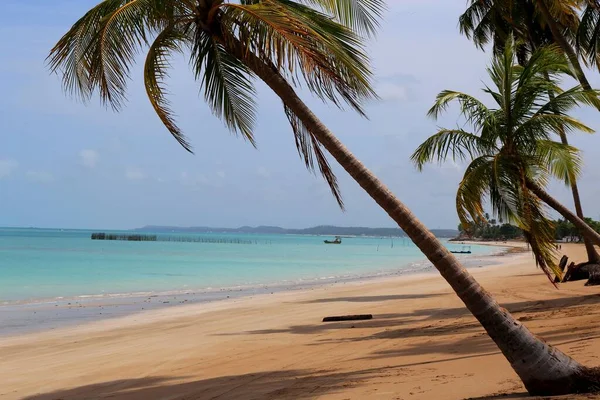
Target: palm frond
562,161
155,72
588,34
70,55
302,42
456,143
227,84
98,51
471,108
474,185
541,126
566,100
361,16
311,152
481,23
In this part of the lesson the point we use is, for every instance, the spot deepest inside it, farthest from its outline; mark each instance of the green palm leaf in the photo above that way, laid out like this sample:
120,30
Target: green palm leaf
472,189
303,43
563,161
361,16
228,87
311,152
456,143
70,55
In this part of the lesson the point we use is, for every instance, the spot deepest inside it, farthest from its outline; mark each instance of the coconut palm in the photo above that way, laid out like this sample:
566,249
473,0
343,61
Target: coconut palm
497,20
542,21
511,152
283,42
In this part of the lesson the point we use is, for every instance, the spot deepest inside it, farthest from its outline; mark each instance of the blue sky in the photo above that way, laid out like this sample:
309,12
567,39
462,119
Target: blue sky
66,164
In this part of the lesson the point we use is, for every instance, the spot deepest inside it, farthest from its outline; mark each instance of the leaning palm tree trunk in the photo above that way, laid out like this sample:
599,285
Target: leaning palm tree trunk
583,227
563,43
592,254
543,369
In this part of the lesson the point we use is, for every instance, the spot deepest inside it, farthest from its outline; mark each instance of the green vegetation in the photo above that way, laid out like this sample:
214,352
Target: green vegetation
490,229
566,230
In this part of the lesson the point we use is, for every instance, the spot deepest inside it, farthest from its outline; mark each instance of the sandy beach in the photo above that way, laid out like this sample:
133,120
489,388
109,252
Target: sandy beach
421,344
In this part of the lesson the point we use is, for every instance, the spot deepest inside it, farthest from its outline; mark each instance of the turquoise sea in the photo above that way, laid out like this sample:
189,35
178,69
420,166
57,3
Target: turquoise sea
45,264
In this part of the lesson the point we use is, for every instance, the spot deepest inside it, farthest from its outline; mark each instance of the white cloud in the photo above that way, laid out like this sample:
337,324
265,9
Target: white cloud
134,174
7,167
221,174
263,172
89,158
40,176
196,180
392,92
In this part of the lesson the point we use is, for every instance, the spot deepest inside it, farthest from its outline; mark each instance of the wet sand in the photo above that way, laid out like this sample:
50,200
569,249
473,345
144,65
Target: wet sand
421,344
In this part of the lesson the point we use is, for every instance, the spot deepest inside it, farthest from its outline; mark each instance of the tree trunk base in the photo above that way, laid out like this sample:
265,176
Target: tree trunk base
579,272
586,380
594,278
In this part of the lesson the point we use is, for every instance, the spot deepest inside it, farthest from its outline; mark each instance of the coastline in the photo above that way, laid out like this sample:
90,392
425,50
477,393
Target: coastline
421,343
39,315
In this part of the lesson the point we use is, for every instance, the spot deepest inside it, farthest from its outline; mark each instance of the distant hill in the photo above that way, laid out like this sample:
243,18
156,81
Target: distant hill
316,230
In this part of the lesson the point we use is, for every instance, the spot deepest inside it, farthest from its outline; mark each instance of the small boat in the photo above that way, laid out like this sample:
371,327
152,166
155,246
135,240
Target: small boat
338,240
465,250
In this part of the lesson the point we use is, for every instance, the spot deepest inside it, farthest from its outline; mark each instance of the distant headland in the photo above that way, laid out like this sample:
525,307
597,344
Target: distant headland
316,230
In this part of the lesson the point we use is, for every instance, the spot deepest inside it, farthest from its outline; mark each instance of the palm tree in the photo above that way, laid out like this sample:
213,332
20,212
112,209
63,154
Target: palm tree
511,153
499,19
556,21
282,42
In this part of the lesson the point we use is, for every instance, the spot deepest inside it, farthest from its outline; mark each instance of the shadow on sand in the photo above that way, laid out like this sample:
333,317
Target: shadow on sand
369,299
292,384
391,324
434,340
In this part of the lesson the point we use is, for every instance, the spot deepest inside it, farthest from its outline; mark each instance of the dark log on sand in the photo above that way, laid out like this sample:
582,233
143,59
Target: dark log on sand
589,271
348,318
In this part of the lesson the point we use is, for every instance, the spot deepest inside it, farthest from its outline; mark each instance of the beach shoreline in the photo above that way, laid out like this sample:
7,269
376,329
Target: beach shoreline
38,315
421,343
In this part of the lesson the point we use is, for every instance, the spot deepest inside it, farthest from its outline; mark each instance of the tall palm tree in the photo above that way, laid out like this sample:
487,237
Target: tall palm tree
497,20
542,21
282,42
511,151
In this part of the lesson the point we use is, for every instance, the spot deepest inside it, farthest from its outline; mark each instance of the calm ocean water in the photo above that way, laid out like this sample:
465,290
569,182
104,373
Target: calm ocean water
40,264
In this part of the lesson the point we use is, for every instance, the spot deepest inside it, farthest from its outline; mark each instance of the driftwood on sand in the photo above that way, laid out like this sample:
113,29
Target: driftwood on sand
578,272
357,317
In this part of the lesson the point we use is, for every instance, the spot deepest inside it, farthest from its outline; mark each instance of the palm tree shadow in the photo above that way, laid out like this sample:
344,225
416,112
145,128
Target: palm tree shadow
393,322
517,395
290,384
369,299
